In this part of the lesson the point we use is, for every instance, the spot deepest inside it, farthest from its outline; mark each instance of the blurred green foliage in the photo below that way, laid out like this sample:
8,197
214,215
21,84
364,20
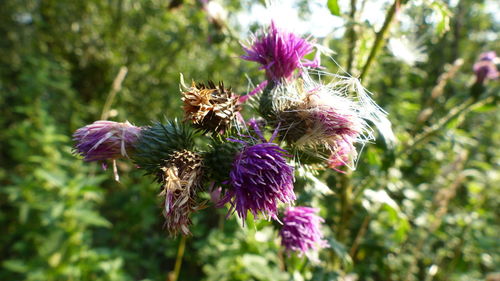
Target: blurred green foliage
427,211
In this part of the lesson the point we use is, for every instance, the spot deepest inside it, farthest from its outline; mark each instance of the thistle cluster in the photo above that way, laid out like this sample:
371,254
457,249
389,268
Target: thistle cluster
248,165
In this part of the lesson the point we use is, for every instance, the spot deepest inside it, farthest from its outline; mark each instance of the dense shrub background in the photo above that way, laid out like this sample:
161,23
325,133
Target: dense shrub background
427,211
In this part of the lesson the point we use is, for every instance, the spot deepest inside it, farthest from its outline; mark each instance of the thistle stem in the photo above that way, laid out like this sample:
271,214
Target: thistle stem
345,206
173,276
352,36
346,198
379,39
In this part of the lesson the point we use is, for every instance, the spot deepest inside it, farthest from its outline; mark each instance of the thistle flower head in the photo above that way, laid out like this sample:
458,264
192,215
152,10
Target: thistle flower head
331,115
105,140
209,107
301,230
260,178
279,52
181,179
314,115
158,141
485,67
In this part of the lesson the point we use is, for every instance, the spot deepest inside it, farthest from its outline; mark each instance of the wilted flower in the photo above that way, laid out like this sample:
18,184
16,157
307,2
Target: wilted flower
260,178
209,107
279,52
105,140
318,116
181,179
485,67
301,230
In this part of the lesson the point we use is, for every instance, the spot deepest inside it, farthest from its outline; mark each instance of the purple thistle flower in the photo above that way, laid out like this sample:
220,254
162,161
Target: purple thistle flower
260,178
485,67
279,52
301,230
105,140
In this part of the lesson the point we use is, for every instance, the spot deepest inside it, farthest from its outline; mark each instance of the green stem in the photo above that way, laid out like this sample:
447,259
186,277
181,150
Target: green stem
173,276
341,229
379,39
352,36
345,206
266,101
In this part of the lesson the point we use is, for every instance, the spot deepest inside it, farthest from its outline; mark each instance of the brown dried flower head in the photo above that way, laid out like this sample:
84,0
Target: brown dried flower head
181,178
209,107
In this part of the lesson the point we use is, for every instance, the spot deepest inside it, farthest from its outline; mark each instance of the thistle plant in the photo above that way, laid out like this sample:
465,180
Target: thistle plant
249,166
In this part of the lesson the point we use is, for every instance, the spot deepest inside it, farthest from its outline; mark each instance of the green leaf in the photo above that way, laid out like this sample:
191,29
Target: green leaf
91,218
443,13
333,6
16,266
256,265
341,251
485,108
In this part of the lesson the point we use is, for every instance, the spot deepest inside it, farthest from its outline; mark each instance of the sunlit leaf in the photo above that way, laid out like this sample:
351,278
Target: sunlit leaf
443,15
334,7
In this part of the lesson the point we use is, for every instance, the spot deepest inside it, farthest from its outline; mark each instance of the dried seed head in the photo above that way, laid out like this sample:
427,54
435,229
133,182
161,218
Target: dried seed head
181,178
209,107
333,116
316,118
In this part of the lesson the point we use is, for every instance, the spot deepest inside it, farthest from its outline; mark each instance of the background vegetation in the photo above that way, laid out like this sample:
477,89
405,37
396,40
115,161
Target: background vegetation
426,209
